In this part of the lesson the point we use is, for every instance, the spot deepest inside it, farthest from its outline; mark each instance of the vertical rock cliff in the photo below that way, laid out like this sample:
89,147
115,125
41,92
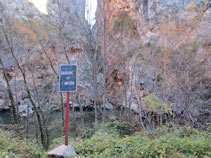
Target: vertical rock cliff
139,32
64,37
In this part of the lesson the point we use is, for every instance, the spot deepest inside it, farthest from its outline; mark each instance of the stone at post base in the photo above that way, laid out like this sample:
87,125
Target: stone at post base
62,152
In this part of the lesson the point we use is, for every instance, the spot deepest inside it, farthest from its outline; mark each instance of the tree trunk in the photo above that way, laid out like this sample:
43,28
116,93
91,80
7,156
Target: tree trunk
95,86
140,117
27,123
74,120
16,100
81,111
44,117
125,96
161,120
57,77
62,110
129,111
105,61
27,89
121,108
35,125
14,114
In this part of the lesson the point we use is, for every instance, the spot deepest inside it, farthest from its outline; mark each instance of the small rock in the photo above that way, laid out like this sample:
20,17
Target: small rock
62,152
25,110
109,106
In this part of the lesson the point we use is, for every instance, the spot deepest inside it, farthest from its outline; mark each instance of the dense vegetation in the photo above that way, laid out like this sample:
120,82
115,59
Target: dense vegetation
163,142
12,146
118,140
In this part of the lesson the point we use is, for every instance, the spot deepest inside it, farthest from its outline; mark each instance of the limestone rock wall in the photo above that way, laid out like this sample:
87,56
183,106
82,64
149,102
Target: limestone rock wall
71,18
140,29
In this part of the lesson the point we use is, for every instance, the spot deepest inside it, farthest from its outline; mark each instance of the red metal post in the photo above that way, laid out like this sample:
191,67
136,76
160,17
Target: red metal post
67,118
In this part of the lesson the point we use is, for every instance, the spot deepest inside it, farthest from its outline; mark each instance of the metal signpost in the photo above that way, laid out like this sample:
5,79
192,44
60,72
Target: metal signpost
67,83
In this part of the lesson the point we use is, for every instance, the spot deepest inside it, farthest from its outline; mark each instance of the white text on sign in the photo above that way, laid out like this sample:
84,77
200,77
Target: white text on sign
69,83
66,73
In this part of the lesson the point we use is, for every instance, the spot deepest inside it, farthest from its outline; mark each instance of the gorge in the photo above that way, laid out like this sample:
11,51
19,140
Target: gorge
147,62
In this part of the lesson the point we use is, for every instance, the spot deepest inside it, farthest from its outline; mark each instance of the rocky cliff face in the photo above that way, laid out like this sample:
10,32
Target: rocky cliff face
138,31
19,8
151,18
156,47
69,17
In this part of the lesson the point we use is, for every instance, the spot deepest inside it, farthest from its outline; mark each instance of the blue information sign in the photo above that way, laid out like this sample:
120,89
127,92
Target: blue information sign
68,78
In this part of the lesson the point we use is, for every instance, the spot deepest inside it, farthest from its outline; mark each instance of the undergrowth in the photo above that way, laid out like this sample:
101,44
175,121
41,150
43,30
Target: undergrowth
179,142
118,140
13,147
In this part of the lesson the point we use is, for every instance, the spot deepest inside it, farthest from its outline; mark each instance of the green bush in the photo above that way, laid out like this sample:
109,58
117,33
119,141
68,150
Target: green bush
86,133
179,142
122,128
11,147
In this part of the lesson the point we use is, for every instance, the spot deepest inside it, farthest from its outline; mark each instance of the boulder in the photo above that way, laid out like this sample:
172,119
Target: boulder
134,106
3,106
76,105
62,152
109,106
25,109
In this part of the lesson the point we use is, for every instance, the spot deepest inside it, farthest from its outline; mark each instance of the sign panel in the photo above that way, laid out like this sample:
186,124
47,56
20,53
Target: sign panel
68,78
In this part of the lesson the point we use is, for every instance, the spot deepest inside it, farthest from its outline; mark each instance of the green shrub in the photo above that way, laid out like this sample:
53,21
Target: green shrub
11,147
86,133
179,142
152,103
120,128
116,127
123,128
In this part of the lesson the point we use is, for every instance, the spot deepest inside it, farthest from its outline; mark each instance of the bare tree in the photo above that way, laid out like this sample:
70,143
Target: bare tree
9,40
104,58
12,101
